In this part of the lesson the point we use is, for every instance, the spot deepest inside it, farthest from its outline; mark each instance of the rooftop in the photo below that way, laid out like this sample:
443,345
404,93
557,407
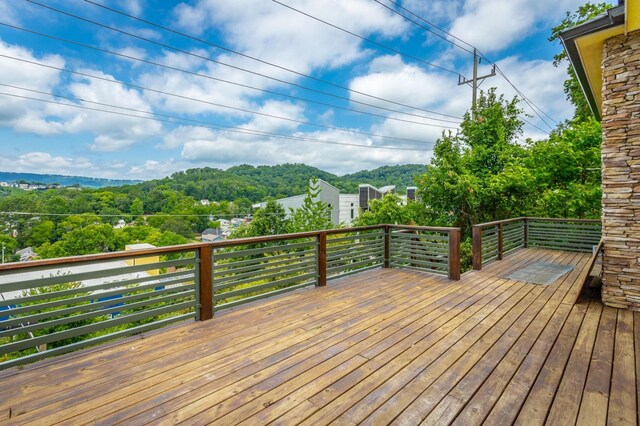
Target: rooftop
379,346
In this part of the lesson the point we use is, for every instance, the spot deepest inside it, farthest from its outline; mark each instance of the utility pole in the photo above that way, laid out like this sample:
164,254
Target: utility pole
476,81
3,252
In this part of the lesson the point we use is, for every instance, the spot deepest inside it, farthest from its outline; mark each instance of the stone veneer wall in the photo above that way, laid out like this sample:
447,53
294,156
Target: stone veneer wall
621,171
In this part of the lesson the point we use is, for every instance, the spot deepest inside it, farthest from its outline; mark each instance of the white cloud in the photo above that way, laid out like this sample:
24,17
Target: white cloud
389,77
286,110
434,10
152,169
272,32
17,112
14,12
134,7
494,25
133,52
225,149
542,83
43,162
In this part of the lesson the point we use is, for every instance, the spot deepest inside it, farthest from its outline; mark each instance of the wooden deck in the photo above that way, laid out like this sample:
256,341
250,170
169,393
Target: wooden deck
379,347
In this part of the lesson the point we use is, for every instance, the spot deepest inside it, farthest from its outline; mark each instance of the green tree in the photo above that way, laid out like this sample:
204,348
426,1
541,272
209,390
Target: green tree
177,225
314,213
78,221
270,220
137,207
95,238
475,176
41,233
571,86
390,209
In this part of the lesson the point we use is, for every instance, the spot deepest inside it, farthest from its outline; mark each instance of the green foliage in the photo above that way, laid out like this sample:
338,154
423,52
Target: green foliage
137,207
94,238
485,174
270,220
391,210
313,215
174,224
571,86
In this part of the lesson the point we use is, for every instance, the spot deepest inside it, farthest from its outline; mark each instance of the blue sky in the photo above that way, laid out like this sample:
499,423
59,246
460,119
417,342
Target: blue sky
200,121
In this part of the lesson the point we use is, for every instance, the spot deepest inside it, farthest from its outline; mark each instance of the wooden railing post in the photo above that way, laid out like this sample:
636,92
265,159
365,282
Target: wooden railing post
205,283
500,241
322,259
477,247
454,254
387,246
526,232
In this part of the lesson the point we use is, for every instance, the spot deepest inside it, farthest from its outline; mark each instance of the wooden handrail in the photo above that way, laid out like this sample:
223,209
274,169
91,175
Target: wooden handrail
201,287
121,255
526,218
422,228
498,222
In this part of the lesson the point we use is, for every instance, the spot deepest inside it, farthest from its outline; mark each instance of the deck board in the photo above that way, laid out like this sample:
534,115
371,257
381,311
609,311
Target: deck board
378,347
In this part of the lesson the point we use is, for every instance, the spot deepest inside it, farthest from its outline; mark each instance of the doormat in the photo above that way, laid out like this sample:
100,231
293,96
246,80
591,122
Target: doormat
543,273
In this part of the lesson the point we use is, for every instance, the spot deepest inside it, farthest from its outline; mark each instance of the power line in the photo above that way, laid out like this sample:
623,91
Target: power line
217,126
122,55
134,86
244,55
528,101
418,24
206,58
533,125
57,95
433,25
391,49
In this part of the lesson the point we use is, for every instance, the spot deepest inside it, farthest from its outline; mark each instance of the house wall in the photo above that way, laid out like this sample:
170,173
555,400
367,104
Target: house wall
295,202
621,171
349,208
330,195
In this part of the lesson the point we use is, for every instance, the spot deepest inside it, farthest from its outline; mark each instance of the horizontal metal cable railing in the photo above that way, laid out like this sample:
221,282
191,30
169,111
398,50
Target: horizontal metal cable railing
492,240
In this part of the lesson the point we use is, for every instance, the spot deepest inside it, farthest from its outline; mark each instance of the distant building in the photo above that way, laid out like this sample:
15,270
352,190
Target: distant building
212,234
26,254
349,208
327,193
412,194
121,224
236,221
344,207
369,192
205,202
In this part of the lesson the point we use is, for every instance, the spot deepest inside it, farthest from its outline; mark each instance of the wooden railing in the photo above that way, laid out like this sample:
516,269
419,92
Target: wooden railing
53,306
492,240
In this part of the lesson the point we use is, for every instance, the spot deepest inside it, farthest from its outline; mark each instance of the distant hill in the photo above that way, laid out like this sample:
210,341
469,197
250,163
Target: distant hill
264,182
86,182
400,176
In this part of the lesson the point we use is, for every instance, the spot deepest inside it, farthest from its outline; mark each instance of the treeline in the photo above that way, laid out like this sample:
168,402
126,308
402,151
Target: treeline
163,211
267,182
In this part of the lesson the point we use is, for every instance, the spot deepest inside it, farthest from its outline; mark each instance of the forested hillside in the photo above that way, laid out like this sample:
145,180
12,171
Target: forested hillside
63,222
265,182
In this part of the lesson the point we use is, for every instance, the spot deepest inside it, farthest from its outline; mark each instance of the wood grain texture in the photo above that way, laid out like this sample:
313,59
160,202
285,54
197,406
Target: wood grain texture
386,345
